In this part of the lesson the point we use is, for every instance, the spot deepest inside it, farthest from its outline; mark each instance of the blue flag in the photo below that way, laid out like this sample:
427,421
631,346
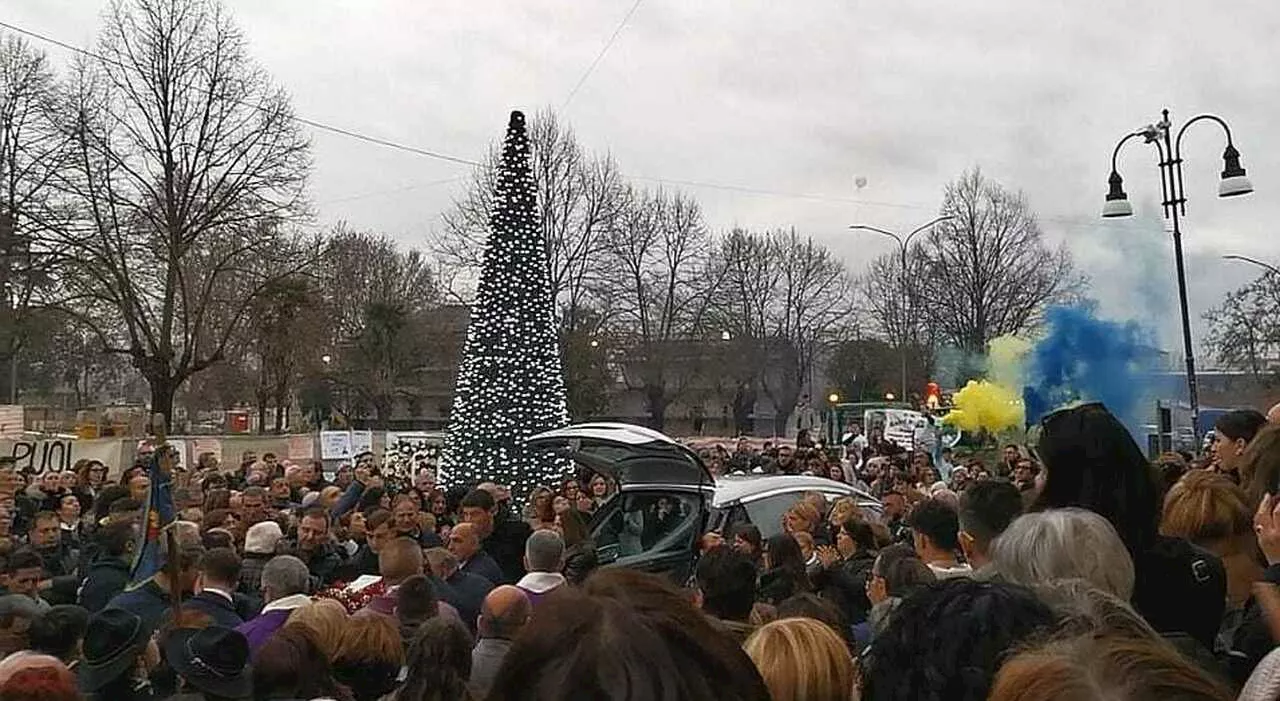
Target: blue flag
157,512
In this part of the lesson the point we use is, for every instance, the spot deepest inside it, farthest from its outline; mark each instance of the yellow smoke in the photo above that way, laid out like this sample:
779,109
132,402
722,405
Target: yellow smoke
1006,358
985,405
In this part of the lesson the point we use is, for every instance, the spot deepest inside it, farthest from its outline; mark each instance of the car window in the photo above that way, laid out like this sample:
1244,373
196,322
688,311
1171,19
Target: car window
767,513
644,522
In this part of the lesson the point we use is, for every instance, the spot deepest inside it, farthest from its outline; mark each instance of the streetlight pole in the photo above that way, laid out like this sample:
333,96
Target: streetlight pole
904,244
1234,182
1246,259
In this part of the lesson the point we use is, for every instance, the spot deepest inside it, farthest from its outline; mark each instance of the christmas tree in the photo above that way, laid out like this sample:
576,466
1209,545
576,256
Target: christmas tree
510,385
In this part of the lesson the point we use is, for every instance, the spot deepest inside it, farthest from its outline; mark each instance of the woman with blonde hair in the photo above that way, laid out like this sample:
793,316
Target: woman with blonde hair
539,513
802,517
842,510
802,659
326,619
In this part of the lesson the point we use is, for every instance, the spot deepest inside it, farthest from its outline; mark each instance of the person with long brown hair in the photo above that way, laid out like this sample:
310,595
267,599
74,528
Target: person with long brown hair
540,515
579,549
439,663
369,656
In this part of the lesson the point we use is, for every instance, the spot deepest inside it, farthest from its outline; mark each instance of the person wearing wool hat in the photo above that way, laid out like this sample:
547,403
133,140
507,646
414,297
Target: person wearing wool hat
259,547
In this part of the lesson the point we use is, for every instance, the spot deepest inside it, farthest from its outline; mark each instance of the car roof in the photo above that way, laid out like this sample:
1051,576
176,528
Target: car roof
734,488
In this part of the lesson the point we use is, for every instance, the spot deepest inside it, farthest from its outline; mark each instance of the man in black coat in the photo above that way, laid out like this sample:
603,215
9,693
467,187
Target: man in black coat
464,544
463,591
219,576
502,535
108,573
60,559
313,547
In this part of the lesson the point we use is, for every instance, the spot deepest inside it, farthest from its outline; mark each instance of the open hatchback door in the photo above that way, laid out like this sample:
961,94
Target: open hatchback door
630,455
663,500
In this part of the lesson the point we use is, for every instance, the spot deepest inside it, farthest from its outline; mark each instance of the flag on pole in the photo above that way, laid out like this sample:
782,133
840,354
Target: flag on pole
157,512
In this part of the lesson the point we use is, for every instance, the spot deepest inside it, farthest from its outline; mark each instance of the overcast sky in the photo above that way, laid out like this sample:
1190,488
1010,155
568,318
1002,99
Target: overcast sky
799,98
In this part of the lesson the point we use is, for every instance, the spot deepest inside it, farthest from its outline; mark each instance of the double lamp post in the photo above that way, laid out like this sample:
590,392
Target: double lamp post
1169,149
904,286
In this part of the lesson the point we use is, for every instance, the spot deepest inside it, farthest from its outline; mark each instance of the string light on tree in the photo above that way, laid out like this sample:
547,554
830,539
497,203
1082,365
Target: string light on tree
510,383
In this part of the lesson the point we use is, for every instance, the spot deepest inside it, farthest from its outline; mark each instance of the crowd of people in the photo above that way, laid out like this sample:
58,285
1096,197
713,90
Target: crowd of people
1074,568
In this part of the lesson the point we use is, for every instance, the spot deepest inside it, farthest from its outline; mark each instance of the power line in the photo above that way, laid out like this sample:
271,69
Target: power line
392,191
600,56
463,161
301,120
1066,221
775,193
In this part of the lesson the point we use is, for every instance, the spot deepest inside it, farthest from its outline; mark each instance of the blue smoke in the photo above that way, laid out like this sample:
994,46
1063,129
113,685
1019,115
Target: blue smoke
1082,357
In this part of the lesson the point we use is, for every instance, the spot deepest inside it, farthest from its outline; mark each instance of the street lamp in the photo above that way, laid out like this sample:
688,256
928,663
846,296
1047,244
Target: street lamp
1246,259
1234,182
833,398
904,243
326,358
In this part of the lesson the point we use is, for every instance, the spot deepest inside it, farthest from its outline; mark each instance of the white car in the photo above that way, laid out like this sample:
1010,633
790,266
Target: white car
667,499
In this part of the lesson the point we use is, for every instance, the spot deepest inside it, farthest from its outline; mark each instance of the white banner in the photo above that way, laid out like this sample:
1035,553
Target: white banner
361,442
335,445
59,454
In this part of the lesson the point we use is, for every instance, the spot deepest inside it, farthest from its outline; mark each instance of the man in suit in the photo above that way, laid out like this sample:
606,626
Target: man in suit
464,543
219,575
465,591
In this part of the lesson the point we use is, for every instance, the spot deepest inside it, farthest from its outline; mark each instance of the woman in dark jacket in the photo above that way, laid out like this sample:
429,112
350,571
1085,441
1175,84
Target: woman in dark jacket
1092,462
579,549
784,575
846,568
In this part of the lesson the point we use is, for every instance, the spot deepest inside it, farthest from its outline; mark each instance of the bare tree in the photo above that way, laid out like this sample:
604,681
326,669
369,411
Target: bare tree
900,312
581,198
989,272
32,150
189,168
363,268
286,326
61,355
659,295
385,325
740,309
1244,331
897,309
811,309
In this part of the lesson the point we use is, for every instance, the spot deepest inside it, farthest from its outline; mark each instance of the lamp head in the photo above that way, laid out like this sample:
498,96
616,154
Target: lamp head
1117,204
1234,182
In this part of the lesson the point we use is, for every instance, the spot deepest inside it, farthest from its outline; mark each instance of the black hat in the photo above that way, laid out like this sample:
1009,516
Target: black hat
111,646
214,660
